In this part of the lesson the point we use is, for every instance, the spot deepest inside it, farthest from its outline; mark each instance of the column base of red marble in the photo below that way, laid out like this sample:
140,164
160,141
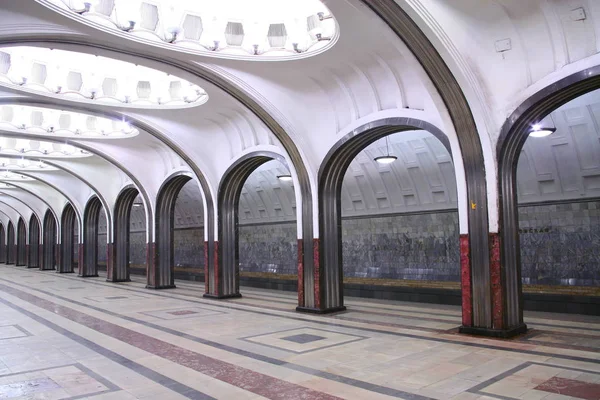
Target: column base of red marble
222,296
311,310
160,287
496,333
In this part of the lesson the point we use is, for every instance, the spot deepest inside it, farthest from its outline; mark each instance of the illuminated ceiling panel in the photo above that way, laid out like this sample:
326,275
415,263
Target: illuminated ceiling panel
61,123
23,164
95,79
11,176
37,148
245,29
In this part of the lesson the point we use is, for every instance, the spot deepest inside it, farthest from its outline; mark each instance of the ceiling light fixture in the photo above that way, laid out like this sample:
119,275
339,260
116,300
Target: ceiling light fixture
274,29
284,178
387,159
538,131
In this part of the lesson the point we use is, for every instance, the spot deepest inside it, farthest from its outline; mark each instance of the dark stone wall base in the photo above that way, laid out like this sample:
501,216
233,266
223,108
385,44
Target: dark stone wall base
310,310
118,280
65,272
47,269
559,303
161,287
404,293
89,276
496,333
562,303
220,297
34,266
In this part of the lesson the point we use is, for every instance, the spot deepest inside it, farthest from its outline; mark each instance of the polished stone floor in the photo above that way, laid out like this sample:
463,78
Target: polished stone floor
64,337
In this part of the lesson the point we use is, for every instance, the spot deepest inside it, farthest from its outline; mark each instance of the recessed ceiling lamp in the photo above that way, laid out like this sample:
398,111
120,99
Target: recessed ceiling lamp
387,159
284,178
538,131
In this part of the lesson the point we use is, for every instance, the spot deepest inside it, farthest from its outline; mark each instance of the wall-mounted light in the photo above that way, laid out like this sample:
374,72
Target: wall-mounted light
388,158
539,131
138,204
284,178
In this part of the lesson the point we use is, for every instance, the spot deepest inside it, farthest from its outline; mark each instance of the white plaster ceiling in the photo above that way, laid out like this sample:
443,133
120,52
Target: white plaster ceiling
566,164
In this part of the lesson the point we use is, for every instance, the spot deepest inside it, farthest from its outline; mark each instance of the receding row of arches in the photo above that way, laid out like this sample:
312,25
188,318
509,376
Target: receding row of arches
324,278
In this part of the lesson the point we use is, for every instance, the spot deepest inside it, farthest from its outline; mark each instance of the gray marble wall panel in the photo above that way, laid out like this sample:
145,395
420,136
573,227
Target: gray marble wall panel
137,248
188,245
560,243
269,248
189,248
559,246
410,246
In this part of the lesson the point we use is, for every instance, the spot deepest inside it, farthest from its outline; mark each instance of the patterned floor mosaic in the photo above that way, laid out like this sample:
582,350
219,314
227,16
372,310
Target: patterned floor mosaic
64,337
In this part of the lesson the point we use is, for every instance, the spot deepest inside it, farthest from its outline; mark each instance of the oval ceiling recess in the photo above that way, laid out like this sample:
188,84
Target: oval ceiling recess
94,79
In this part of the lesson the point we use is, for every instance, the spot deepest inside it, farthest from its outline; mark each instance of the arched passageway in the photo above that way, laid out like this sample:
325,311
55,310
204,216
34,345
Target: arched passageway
189,257
21,243
49,243
267,228
128,203
546,203
68,242
10,244
225,281
161,259
399,221
331,178
33,259
89,248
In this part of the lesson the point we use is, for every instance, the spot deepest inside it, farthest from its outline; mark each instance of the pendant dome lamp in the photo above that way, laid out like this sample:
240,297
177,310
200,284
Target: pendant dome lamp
387,159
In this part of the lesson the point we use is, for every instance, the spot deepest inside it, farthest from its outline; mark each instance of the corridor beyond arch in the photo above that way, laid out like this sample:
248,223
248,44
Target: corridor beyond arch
514,134
225,281
331,174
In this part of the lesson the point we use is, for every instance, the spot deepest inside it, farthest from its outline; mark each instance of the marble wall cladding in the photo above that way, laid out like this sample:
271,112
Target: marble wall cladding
188,245
137,248
189,248
560,243
102,249
269,248
410,246
559,246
